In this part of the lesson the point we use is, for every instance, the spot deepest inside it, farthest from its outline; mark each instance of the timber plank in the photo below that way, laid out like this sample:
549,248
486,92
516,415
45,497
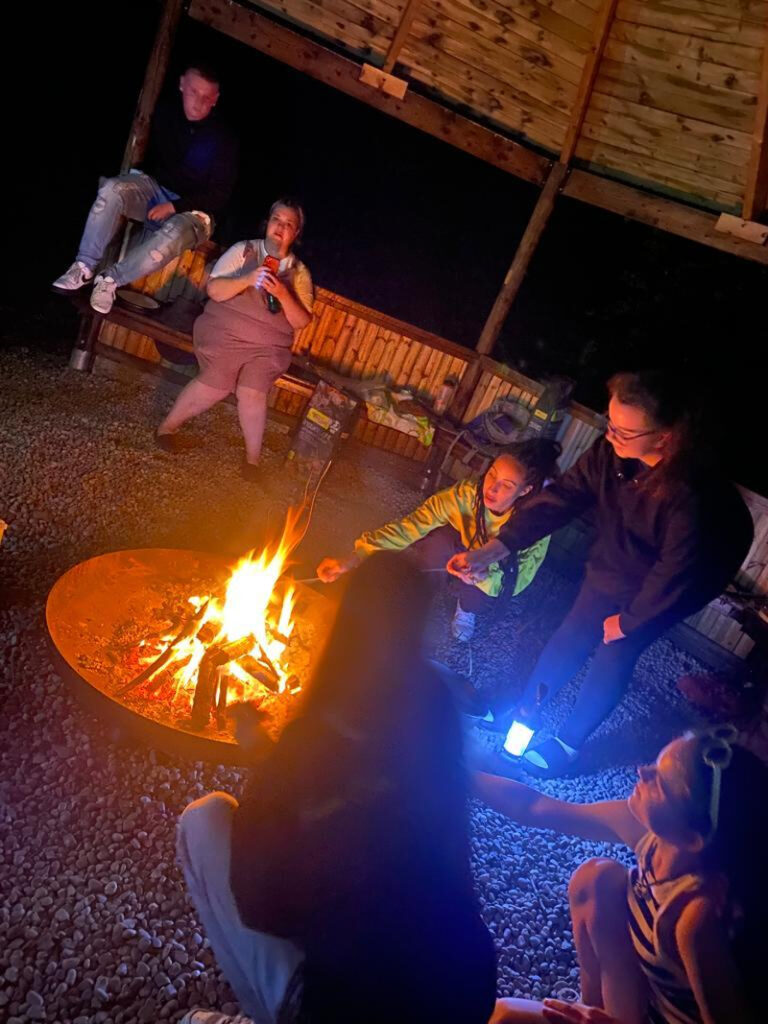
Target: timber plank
738,58
705,103
652,169
719,28
624,135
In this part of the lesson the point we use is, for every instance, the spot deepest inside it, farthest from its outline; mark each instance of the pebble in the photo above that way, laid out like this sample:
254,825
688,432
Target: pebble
87,827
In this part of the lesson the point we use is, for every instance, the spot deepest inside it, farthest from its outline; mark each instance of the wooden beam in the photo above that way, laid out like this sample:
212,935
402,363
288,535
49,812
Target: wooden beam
756,188
525,250
157,66
341,73
600,32
685,221
411,9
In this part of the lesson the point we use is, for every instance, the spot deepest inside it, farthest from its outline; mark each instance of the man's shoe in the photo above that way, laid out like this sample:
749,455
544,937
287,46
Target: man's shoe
74,278
103,294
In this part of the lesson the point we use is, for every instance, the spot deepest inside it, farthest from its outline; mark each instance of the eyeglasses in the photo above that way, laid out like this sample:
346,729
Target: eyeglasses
626,435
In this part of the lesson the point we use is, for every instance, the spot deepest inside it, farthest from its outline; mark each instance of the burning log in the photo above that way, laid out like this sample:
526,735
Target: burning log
190,628
209,675
260,673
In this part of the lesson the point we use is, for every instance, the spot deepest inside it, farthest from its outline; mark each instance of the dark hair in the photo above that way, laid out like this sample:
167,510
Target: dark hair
373,675
538,457
205,70
665,399
738,850
291,204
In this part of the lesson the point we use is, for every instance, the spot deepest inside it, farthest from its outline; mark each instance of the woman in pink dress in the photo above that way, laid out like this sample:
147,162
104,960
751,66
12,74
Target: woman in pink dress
259,294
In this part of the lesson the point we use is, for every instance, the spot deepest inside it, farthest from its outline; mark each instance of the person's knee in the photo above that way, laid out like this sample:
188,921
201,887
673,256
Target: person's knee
110,191
250,396
210,814
597,883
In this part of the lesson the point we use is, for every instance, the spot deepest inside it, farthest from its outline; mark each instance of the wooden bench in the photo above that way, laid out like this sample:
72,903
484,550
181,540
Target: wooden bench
132,335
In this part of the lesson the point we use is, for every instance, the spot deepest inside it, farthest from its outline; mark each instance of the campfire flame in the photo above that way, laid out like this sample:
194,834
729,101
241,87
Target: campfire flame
234,647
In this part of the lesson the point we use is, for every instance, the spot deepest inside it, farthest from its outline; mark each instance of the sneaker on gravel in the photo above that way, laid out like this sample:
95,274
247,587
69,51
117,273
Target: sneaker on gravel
213,1017
462,625
77,275
103,294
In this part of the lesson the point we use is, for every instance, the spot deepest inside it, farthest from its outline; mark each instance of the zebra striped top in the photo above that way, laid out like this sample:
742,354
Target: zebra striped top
654,908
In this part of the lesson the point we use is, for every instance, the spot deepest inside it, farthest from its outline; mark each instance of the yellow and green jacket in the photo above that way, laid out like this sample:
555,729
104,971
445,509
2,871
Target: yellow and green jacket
455,507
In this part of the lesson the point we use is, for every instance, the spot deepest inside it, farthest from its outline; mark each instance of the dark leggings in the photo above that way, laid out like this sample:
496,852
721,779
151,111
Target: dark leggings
609,674
433,551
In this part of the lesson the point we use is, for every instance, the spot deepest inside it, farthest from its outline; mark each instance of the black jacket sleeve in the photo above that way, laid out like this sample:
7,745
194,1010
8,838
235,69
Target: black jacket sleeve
565,499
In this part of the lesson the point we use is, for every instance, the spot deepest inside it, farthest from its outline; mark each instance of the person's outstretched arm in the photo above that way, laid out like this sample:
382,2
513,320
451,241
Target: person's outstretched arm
561,501
401,533
606,821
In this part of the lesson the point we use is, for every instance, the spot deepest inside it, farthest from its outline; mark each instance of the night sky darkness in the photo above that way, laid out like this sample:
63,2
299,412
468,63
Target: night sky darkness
396,220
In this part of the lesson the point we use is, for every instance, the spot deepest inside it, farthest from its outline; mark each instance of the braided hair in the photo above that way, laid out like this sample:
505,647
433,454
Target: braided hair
538,457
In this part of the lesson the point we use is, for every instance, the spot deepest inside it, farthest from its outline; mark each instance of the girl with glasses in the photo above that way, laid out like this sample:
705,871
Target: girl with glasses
671,533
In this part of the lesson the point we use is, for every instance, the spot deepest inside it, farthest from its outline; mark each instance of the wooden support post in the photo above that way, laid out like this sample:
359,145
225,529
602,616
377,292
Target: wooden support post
600,33
525,250
153,81
401,33
756,188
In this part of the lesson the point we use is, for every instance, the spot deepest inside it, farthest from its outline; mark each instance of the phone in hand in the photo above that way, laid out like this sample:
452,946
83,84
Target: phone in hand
272,263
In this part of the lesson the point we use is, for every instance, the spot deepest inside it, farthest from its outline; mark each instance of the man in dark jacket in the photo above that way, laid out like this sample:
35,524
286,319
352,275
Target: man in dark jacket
670,536
191,166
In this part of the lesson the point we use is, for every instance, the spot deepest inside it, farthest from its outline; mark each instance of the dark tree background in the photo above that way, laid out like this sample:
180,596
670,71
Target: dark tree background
396,220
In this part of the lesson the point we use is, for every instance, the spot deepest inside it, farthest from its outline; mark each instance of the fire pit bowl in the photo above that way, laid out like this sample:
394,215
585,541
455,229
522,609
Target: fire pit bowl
99,611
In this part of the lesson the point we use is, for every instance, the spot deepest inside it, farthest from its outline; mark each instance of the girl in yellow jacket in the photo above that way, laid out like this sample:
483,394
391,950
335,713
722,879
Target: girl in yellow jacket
465,516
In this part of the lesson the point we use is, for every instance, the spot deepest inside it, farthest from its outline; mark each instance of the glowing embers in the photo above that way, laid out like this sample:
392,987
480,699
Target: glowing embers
229,648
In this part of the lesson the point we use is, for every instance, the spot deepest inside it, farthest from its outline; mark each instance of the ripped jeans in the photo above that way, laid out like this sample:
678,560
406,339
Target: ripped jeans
133,195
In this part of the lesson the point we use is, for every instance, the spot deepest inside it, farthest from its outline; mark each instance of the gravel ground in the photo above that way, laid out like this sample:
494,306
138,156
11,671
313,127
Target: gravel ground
94,921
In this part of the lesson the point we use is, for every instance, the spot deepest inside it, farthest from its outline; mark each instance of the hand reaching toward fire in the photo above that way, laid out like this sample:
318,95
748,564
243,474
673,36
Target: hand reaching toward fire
331,568
471,566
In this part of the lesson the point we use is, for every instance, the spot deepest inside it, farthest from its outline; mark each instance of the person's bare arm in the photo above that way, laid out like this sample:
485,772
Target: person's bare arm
712,975
228,286
606,821
296,313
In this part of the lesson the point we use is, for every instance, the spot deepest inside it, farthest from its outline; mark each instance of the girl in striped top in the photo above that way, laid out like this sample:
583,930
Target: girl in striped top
681,938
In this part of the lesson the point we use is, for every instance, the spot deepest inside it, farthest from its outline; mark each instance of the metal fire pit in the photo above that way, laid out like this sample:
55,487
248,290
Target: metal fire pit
95,598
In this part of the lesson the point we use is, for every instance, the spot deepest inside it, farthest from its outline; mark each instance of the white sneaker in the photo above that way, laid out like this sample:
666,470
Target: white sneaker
103,294
77,275
462,625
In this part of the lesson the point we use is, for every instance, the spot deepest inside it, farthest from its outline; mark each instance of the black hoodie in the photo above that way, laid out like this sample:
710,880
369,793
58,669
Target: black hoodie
196,159
664,556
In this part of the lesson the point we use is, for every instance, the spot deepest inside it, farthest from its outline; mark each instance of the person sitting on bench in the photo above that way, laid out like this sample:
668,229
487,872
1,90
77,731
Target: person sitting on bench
191,168
463,517
259,296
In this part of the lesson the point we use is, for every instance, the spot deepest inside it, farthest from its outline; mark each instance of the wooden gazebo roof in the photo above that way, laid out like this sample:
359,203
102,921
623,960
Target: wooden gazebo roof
677,86
652,109
666,94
